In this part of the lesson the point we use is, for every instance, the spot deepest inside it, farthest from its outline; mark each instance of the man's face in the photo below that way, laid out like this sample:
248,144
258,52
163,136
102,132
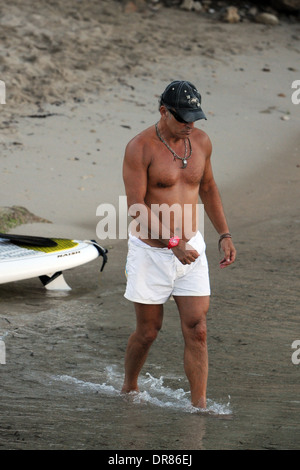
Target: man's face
175,124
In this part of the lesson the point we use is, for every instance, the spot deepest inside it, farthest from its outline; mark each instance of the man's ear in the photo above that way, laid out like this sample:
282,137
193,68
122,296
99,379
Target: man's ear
164,112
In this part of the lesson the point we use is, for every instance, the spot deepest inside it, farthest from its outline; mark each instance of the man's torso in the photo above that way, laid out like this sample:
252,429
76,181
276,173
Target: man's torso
173,191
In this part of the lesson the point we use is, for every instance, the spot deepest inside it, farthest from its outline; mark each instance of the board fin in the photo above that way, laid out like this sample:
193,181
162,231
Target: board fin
55,282
102,251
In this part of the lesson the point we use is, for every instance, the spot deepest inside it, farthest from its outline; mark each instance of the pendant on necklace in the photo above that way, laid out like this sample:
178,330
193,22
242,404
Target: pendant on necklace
186,156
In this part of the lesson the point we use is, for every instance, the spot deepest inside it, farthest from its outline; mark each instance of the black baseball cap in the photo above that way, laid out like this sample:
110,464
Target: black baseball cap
185,99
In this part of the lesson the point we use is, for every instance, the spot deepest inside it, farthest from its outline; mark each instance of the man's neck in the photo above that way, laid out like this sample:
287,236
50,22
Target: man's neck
167,134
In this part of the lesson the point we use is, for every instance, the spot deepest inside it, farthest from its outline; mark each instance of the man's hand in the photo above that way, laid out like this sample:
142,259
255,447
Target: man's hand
229,252
185,252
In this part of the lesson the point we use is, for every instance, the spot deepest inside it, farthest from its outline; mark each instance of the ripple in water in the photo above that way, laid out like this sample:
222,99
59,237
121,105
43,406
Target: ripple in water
154,393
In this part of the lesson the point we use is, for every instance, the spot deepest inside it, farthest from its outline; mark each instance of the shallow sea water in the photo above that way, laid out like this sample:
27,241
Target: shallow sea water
64,370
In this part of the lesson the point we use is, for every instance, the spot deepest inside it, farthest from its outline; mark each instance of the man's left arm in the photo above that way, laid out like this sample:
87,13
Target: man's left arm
210,197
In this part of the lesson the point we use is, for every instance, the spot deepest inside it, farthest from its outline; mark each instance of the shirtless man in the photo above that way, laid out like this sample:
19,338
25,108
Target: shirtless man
170,163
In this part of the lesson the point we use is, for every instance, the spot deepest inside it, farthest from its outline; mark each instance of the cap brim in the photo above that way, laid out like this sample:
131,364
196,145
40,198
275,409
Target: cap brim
191,115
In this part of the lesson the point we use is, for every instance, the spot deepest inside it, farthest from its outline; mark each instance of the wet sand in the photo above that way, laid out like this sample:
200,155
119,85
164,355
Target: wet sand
64,352
61,384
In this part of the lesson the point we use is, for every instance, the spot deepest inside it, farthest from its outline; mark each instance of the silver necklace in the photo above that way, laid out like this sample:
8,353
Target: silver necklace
186,156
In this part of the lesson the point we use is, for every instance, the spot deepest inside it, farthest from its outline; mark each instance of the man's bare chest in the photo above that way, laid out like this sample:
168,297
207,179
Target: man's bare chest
167,171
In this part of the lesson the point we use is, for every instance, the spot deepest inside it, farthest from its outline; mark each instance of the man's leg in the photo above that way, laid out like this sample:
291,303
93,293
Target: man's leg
148,323
193,312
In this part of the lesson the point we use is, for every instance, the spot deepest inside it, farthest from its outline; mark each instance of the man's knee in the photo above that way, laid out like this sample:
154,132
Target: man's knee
196,331
200,331
149,323
150,335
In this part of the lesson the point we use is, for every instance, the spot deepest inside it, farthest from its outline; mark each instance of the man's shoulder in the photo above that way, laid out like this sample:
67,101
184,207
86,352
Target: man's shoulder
202,138
138,147
138,142
142,137
200,134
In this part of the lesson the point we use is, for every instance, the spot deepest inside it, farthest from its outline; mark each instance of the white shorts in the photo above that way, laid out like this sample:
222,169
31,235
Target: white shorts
154,274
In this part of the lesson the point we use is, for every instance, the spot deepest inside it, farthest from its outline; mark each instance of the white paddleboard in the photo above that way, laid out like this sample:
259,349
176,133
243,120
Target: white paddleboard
20,261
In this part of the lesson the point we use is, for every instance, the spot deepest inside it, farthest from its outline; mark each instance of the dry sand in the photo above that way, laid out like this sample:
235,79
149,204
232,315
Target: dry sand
82,79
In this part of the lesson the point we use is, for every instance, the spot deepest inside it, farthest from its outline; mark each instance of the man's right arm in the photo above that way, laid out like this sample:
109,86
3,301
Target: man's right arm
137,160
135,167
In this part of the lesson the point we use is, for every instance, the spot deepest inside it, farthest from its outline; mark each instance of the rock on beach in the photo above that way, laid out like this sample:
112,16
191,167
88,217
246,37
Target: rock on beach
11,217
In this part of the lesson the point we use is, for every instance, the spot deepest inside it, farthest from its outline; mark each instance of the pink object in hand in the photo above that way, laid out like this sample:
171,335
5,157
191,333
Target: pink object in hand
173,242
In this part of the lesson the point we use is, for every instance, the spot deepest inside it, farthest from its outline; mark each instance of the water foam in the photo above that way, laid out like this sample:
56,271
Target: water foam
154,393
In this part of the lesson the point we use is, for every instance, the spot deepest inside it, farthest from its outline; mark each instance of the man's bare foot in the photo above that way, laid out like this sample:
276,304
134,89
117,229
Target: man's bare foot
126,389
201,403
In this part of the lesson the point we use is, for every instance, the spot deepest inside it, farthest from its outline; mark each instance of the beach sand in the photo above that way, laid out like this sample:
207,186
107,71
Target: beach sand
81,81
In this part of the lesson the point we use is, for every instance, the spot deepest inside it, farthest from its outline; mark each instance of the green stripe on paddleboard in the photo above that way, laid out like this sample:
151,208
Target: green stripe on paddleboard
62,244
